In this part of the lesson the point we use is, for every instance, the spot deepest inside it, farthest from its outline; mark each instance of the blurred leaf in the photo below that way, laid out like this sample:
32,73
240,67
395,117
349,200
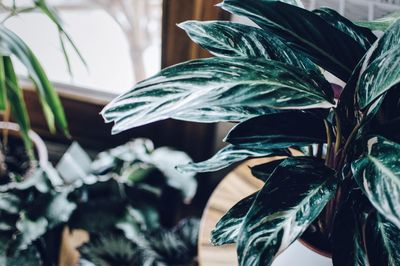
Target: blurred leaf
49,99
9,203
59,209
382,23
17,103
29,231
28,257
378,175
165,159
3,88
51,13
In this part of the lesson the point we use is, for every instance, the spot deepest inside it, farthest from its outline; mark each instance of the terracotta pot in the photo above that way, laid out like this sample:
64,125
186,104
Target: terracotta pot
39,145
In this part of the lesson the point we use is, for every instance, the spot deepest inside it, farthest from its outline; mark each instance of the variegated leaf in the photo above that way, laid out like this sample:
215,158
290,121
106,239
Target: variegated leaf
227,156
363,36
214,84
378,174
277,131
382,240
228,39
293,197
228,227
303,30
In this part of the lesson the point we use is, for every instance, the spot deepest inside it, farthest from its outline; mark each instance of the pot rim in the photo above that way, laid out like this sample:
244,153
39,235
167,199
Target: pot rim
40,146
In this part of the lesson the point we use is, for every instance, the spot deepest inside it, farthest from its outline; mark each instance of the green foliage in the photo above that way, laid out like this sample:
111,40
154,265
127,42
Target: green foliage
11,93
176,246
347,187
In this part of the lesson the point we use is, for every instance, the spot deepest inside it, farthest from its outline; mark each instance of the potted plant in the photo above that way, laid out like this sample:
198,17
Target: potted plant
29,201
343,195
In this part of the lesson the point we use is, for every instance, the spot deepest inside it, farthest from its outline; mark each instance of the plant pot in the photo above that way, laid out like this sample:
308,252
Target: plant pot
39,145
237,185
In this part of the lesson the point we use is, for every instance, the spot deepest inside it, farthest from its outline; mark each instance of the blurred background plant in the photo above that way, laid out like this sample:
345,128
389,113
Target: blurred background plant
127,199
13,48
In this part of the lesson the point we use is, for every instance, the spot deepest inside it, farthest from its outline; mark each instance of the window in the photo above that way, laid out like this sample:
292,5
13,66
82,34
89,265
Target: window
120,40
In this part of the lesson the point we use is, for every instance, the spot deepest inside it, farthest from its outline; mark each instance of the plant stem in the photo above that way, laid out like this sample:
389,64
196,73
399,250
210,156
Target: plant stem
347,144
328,141
338,141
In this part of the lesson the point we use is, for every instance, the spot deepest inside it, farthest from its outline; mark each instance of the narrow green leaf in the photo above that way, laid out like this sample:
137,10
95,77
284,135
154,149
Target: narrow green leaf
228,39
378,174
48,97
51,13
227,229
277,131
363,36
3,88
293,197
17,103
303,30
382,23
216,85
227,156
382,240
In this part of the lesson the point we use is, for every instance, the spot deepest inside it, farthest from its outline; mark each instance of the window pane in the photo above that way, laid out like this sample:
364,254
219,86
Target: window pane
120,40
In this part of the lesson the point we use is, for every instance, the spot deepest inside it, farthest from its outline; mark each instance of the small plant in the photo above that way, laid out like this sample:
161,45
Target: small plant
11,95
345,190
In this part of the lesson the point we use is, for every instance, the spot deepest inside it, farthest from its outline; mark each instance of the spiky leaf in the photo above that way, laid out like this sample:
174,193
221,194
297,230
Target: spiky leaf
378,174
293,197
216,86
228,39
280,130
327,46
382,240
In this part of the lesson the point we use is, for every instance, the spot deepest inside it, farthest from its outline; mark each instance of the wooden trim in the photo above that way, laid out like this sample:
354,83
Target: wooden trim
177,47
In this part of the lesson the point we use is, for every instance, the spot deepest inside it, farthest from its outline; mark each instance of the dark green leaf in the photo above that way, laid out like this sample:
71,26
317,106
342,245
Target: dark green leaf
49,99
327,46
227,156
264,171
347,242
378,174
382,23
219,84
277,131
293,197
29,257
228,227
382,240
363,36
228,39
